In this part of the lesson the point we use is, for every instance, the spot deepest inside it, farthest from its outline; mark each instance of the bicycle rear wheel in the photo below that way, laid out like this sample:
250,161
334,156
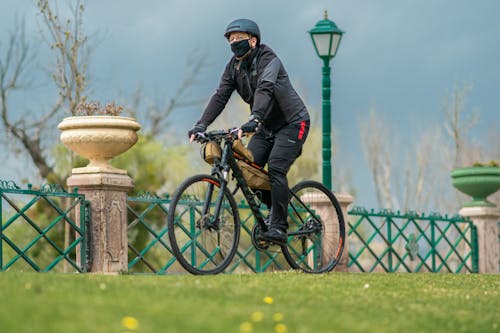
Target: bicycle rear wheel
316,229
201,243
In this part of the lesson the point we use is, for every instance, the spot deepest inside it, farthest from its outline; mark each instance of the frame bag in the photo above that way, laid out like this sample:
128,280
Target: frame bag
256,179
210,151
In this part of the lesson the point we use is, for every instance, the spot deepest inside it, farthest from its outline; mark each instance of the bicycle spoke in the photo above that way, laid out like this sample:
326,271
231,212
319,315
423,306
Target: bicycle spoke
316,221
203,243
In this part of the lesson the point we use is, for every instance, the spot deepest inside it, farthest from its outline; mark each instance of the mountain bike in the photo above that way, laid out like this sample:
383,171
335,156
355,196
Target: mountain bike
204,222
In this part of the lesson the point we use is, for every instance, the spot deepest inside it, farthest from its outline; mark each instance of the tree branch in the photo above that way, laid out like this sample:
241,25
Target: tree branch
158,116
68,75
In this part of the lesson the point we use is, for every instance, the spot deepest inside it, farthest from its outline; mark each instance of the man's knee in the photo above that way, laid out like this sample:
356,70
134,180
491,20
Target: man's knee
277,175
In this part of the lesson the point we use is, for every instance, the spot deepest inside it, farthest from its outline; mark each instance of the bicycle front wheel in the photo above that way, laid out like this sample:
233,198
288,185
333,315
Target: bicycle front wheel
202,242
316,228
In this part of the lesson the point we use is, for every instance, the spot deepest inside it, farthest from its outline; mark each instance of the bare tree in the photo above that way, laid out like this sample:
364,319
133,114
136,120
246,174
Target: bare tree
424,183
155,117
458,123
69,72
415,179
13,71
70,45
376,148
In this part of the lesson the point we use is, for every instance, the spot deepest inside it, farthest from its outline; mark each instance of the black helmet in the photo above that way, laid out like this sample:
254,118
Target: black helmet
243,25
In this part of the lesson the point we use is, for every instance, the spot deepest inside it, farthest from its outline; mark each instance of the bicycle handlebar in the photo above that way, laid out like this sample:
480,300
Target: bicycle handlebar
216,135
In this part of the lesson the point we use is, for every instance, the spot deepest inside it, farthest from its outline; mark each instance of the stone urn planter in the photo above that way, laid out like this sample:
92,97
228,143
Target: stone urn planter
478,182
99,139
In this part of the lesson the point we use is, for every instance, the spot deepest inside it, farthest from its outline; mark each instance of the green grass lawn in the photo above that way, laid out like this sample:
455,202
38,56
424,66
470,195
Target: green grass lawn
270,302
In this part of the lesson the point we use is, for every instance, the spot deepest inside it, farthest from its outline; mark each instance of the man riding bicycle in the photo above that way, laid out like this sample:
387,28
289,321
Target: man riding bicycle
278,115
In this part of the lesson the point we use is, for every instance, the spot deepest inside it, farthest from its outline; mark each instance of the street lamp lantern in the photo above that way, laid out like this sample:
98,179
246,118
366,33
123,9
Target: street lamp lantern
326,38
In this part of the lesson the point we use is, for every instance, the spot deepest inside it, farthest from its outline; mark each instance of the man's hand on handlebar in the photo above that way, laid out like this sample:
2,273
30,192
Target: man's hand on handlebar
198,128
250,126
214,135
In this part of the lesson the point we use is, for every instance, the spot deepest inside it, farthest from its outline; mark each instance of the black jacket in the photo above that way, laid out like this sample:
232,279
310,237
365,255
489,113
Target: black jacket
262,81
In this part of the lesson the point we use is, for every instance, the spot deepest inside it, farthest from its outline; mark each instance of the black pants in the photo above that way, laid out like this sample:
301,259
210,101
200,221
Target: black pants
279,150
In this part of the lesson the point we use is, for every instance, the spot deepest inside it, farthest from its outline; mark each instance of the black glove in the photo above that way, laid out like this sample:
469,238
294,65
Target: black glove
251,125
198,128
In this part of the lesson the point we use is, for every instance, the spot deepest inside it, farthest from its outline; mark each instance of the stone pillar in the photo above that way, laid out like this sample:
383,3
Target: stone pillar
331,233
486,220
107,193
345,200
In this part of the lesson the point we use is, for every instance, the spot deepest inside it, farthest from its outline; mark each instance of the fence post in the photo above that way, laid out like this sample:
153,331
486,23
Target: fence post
475,250
485,219
433,244
389,239
107,194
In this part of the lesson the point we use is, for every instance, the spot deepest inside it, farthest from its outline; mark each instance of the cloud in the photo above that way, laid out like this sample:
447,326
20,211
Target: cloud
401,55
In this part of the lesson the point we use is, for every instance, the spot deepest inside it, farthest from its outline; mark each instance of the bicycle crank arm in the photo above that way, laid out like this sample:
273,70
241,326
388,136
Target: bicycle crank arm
301,232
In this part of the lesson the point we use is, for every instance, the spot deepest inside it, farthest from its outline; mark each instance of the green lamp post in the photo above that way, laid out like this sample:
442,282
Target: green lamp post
326,38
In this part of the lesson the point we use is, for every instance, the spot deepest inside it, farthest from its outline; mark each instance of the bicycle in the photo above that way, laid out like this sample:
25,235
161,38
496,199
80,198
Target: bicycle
204,222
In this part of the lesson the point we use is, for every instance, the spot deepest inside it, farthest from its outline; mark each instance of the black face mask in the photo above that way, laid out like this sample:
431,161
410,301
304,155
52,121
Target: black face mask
240,48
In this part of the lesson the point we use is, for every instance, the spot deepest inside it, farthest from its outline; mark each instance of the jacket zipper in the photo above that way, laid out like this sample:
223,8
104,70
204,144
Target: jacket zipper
249,86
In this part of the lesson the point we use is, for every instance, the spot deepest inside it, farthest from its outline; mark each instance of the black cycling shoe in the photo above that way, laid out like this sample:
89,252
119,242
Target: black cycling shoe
274,235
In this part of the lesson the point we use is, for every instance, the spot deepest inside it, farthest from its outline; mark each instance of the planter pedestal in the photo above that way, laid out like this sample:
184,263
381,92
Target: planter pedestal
323,207
99,139
345,201
486,221
107,193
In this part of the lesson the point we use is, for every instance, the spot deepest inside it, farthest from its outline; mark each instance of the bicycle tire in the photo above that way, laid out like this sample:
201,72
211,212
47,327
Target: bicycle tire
317,209
200,246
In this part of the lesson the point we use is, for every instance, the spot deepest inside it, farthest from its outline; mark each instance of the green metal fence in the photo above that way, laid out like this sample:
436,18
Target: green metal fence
149,247
383,241
38,229
394,242
248,258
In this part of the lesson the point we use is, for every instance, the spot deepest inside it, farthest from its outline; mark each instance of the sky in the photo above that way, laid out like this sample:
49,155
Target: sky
401,56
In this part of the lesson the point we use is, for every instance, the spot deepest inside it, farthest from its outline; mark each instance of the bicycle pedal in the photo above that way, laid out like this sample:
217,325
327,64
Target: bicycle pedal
262,245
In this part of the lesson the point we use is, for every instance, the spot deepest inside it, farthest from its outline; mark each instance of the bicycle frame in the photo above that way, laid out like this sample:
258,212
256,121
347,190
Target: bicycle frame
221,171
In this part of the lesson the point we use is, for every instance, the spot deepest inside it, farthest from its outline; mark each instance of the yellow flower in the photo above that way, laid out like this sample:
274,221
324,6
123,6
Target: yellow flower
268,300
257,316
278,316
246,327
280,328
130,323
